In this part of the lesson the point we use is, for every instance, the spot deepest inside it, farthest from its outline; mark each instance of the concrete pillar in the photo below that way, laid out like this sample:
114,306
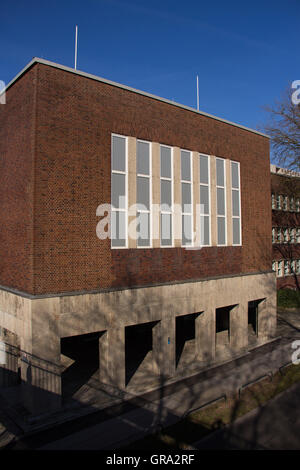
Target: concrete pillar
238,329
205,336
112,369
163,341
40,360
266,319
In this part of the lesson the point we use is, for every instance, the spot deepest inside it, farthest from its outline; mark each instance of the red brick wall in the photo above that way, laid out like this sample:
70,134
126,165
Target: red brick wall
17,120
286,186
75,119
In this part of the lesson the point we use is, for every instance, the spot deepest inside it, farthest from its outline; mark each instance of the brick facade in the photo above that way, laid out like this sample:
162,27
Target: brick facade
57,126
289,186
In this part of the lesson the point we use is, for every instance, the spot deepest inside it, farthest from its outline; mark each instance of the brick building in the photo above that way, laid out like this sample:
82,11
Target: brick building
158,306
286,227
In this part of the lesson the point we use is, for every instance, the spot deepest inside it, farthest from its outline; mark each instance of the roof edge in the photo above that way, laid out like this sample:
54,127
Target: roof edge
37,60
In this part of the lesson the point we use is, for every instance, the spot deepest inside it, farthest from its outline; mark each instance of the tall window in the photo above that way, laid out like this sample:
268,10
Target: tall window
298,266
118,192
286,268
236,203
166,196
274,266
285,203
273,201
204,200
298,205
298,235
221,201
292,208
280,268
285,235
278,201
143,196
273,235
292,235
278,235
186,198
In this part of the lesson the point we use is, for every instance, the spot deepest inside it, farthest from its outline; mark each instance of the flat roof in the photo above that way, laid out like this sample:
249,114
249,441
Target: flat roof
37,60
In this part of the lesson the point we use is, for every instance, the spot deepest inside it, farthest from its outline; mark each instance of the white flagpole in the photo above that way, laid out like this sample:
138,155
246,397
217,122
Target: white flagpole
197,93
76,36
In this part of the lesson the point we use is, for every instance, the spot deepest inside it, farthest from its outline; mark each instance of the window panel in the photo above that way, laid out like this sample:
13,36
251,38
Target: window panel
166,229
220,201
235,203
205,235
166,194
235,180
204,199
185,165
118,228
186,229
143,228
118,187
236,231
143,158
186,197
204,169
220,172
165,162
118,153
221,230
143,192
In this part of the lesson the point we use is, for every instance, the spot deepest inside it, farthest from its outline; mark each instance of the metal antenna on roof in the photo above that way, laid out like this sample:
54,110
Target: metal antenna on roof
76,37
197,93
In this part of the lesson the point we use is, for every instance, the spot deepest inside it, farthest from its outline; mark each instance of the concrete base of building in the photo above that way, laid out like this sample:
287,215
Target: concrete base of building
125,338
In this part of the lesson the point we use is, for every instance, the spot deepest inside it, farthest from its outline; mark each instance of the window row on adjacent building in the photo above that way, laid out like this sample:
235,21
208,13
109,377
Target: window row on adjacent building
285,235
179,198
286,203
286,267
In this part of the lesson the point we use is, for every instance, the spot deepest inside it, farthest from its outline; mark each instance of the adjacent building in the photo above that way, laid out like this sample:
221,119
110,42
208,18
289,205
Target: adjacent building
286,226
135,237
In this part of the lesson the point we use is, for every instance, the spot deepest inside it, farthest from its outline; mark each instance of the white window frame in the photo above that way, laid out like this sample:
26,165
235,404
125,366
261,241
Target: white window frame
126,191
278,201
278,235
280,268
208,185
297,266
141,175
285,203
235,216
273,201
192,200
286,263
163,178
298,235
225,201
273,234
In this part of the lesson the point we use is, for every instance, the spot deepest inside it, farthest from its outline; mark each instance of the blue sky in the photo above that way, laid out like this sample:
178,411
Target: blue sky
245,53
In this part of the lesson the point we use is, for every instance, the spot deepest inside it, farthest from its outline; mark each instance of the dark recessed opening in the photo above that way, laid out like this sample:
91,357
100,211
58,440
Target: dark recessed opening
138,343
